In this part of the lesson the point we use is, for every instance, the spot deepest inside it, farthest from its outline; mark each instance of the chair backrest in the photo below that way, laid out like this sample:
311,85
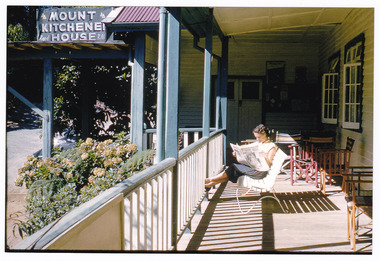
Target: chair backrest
266,183
321,140
285,138
314,144
350,143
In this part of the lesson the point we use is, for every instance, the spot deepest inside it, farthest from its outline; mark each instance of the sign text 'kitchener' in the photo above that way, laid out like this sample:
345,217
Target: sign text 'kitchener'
72,25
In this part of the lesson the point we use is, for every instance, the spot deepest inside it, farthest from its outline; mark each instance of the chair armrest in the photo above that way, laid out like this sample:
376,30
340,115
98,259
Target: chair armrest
360,174
361,167
358,181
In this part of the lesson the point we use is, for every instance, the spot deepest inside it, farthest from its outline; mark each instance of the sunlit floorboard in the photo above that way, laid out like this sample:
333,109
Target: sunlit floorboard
312,223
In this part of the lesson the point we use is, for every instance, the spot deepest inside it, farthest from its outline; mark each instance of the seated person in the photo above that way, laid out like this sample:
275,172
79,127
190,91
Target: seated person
268,150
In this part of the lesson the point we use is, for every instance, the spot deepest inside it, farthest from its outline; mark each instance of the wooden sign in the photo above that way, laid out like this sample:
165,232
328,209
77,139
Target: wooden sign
60,25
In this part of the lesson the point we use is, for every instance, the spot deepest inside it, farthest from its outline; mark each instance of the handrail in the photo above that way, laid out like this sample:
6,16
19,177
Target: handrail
152,186
193,129
188,150
125,187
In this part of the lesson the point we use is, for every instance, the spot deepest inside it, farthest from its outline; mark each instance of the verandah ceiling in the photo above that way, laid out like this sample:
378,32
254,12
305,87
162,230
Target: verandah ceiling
275,24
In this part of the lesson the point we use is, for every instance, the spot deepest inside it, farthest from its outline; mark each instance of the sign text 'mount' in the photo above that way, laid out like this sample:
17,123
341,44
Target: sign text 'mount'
72,25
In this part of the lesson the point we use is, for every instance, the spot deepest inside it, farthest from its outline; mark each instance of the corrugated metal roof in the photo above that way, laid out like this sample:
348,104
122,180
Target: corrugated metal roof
138,14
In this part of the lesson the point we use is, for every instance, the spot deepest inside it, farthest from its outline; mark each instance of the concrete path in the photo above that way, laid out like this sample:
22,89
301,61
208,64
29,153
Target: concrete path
23,138
20,144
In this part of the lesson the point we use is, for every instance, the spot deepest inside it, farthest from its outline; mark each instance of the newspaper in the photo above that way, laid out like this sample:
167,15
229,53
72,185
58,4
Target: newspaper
250,155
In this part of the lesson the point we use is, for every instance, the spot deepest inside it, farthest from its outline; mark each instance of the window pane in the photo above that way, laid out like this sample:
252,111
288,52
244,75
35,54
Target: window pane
347,94
347,75
331,82
330,111
334,111
325,113
328,96
352,113
346,113
358,94
335,96
251,90
358,75
353,94
353,74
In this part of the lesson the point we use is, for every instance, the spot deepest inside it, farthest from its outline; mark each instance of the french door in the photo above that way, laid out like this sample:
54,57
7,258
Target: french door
244,108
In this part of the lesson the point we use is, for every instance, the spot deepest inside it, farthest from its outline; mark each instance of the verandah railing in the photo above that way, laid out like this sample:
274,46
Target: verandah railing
147,212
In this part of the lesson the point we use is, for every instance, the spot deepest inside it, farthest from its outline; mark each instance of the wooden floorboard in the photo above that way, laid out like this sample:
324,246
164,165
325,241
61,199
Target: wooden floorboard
311,223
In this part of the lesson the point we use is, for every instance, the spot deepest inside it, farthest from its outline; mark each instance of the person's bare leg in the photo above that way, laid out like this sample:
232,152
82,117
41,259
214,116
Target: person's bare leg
220,178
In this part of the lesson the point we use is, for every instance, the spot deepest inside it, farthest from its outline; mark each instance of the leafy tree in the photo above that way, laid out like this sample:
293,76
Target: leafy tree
25,17
17,33
100,87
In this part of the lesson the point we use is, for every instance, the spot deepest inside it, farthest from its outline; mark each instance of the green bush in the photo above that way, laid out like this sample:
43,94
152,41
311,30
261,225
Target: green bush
69,178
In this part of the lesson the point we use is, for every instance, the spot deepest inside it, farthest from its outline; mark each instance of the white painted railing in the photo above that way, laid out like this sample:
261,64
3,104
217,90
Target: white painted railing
187,137
147,212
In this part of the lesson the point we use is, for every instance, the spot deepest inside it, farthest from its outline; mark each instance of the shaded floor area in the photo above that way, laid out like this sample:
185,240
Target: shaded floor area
311,222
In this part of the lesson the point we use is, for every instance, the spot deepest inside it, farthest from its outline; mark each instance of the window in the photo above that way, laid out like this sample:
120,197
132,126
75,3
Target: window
330,98
352,96
352,85
251,90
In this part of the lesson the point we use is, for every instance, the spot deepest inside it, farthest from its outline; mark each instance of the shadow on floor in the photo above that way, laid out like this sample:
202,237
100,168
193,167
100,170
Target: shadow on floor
224,228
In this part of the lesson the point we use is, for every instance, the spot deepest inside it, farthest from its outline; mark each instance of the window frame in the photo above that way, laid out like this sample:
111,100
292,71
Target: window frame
352,101
334,91
353,57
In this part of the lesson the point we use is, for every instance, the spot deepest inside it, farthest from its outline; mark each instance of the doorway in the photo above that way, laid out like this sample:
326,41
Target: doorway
244,108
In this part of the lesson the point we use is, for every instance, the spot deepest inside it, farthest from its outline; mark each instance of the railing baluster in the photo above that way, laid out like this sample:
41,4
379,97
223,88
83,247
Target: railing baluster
164,211
135,221
142,214
155,215
185,139
169,215
148,216
128,223
159,213
148,196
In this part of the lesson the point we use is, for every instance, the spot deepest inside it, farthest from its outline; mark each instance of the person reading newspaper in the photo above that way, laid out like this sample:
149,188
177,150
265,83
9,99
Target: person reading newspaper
254,159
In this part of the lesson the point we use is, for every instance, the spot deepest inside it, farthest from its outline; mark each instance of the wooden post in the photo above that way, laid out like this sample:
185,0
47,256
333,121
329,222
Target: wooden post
47,122
172,88
161,85
172,83
137,92
223,90
207,77
218,124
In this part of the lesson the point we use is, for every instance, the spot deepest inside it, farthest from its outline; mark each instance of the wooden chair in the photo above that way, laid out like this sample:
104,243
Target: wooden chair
303,158
333,163
359,200
302,165
283,140
314,144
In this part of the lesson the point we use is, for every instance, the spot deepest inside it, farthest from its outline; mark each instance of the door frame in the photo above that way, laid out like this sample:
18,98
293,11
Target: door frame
238,92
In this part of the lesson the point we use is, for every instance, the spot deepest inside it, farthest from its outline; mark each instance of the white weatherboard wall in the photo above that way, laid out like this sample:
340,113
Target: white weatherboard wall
246,58
357,22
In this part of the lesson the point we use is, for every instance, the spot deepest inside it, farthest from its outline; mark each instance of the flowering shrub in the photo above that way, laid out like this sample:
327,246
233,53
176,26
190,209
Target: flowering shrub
69,178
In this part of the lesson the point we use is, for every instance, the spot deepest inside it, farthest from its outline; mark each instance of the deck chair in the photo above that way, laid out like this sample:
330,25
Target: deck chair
262,185
303,163
283,140
358,194
334,163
